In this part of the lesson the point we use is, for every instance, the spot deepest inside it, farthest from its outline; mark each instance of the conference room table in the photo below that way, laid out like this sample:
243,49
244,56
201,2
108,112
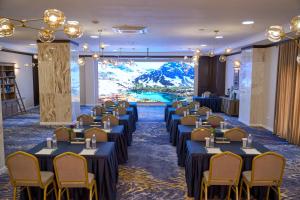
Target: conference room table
129,111
173,127
184,134
169,110
197,161
116,134
133,105
214,103
103,164
129,125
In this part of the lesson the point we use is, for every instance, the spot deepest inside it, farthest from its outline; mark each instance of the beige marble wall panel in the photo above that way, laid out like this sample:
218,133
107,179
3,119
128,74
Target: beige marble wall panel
55,82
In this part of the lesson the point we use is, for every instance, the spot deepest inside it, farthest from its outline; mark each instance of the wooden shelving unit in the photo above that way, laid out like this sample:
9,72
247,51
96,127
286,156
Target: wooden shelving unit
10,104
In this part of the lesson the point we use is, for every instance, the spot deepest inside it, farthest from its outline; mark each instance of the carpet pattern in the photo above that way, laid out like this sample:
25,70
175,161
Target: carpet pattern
151,171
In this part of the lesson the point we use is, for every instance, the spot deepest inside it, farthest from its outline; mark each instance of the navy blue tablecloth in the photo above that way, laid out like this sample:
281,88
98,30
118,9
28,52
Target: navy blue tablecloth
133,105
214,103
104,165
129,125
184,134
117,135
197,161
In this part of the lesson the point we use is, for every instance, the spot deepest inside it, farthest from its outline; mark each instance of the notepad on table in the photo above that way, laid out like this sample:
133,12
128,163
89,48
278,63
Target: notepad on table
213,150
107,130
251,151
78,130
45,152
88,152
95,125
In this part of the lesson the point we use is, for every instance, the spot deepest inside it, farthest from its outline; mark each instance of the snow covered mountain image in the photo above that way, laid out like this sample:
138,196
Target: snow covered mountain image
170,74
146,81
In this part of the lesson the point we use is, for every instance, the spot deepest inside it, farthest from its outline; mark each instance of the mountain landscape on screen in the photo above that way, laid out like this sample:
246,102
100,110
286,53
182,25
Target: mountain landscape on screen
147,81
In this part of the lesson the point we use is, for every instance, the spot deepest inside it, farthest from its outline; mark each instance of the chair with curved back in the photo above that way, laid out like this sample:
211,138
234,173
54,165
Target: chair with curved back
235,134
176,103
200,134
179,111
203,110
101,135
188,120
123,103
71,171
193,104
24,171
113,120
98,110
121,110
267,170
86,119
214,120
64,134
109,103
224,169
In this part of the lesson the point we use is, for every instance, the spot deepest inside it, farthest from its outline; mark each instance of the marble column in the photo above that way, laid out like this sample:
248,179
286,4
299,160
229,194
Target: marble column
59,83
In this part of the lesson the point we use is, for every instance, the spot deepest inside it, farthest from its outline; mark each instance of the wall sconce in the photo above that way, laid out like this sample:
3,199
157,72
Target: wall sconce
236,65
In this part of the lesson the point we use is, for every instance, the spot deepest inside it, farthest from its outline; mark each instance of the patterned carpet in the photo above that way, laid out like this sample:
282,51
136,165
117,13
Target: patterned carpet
152,171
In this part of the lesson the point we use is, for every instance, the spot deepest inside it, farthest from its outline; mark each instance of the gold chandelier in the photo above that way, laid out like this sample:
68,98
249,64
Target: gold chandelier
276,33
53,18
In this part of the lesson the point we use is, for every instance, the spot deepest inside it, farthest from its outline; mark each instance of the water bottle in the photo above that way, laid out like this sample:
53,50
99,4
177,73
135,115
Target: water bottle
187,112
200,121
117,114
212,140
54,142
94,142
250,139
92,113
77,124
80,122
108,123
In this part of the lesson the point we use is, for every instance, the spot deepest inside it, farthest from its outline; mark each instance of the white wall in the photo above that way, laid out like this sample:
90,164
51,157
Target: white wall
23,75
89,82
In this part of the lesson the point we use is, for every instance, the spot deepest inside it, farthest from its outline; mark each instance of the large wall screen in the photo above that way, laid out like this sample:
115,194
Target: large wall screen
146,81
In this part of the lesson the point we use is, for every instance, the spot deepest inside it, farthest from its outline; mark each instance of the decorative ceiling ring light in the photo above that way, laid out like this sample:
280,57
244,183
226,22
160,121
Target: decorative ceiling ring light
276,33
53,19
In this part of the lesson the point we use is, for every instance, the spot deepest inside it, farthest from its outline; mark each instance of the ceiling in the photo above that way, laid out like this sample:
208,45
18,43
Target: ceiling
173,25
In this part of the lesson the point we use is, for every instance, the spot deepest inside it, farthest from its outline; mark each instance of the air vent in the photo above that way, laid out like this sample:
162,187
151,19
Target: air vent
128,29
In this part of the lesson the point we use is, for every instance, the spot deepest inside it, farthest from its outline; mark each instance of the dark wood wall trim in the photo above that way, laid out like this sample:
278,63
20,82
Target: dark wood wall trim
61,41
35,79
17,52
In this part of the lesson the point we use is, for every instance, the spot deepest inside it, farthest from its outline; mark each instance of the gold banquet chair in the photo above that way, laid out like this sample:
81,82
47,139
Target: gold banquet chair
121,103
86,119
188,120
179,111
202,110
193,104
64,134
267,170
109,103
98,110
176,103
113,120
24,171
121,110
224,169
101,136
214,120
235,134
200,134
71,171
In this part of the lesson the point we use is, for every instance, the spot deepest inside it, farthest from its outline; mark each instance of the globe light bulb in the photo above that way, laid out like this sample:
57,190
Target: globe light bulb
81,61
228,50
7,28
211,53
54,18
85,47
72,29
222,58
35,56
275,33
237,64
295,25
95,56
46,35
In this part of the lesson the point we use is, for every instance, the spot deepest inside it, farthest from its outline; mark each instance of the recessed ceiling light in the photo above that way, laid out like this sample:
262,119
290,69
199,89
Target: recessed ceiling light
115,50
94,36
203,45
248,22
219,36
33,44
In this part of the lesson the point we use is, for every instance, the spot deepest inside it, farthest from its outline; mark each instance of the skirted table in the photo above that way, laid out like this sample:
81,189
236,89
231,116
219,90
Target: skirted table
197,161
129,125
184,134
214,103
117,135
104,165
133,105
173,127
